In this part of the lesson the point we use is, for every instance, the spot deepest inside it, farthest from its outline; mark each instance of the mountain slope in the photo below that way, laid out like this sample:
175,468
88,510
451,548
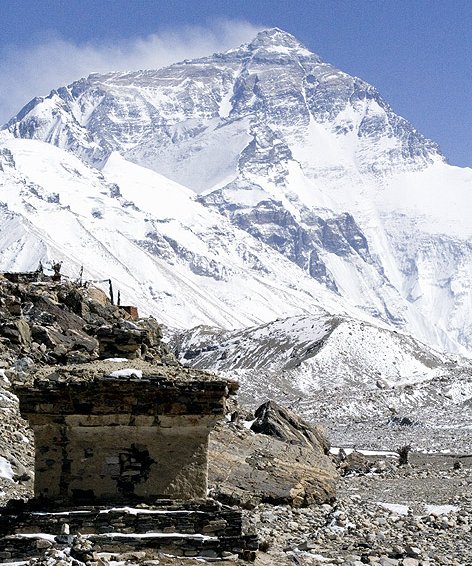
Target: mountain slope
305,158
364,383
178,260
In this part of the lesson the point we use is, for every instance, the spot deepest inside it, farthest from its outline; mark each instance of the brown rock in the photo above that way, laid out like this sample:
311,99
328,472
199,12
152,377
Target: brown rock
17,331
356,462
247,468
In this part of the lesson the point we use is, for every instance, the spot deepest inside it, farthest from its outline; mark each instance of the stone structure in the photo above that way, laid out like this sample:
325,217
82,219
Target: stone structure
122,438
204,529
120,428
131,310
105,440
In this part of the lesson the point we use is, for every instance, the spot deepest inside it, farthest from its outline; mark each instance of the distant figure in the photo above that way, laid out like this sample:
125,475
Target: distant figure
56,267
403,452
235,417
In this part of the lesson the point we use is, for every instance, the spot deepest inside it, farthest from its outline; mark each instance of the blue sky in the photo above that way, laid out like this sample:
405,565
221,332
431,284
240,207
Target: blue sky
418,53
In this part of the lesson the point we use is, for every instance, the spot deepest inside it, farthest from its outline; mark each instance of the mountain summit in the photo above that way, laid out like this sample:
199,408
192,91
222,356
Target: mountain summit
276,39
273,79
302,159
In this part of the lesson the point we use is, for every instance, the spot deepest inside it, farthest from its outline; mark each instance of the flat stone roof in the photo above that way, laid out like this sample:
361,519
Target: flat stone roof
127,369
129,387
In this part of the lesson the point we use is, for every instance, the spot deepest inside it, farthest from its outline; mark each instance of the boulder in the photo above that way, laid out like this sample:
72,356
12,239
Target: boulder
17,331
355,463
282,423
246,469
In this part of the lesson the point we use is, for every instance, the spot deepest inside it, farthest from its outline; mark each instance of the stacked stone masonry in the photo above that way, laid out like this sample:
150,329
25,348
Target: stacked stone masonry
116,439
110,442
199,528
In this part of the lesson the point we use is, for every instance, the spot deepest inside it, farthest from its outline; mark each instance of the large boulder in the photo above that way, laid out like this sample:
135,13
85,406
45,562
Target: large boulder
282,423
247,468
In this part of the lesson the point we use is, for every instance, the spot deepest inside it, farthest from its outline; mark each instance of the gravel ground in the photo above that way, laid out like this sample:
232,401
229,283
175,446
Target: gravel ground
414,515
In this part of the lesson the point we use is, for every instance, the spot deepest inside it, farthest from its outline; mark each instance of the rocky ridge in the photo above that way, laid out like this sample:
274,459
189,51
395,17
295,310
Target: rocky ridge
368,386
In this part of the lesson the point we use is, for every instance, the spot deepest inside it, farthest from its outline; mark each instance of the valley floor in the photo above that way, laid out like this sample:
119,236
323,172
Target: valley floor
415,515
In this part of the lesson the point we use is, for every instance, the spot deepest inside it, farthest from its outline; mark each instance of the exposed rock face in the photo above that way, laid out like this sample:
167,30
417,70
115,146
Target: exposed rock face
64,323
288,467
274,420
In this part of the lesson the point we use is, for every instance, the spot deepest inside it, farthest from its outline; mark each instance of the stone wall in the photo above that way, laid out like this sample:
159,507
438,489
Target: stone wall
116,439
200,528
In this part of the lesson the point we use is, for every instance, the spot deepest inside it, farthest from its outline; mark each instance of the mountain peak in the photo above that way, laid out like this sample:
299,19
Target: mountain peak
277,39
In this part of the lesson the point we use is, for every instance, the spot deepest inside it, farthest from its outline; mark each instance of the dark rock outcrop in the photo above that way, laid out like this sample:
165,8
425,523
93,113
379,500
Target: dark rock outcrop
277,421
62,323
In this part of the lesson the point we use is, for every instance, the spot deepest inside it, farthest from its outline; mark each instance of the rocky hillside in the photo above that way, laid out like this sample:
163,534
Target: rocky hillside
47,323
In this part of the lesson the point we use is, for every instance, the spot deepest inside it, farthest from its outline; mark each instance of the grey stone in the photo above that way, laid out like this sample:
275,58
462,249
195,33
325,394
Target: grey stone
42,544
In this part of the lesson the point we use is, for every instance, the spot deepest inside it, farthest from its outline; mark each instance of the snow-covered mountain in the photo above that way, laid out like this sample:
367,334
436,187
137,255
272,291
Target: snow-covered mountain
363,382
345,198
165,252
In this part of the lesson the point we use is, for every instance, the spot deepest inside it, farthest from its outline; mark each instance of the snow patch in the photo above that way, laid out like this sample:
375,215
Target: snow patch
128,372
395,508
441,509
6,469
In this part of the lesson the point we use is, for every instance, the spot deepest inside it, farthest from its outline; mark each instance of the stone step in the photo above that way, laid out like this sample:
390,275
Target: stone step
206,520
205,528
24,546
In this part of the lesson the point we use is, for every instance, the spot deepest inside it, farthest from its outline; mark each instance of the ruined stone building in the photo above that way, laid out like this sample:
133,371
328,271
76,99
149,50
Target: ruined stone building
121,461
120,431
122,439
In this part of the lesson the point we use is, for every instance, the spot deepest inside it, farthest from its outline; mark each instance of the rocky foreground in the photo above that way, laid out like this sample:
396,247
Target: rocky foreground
416,515
413,515
308,506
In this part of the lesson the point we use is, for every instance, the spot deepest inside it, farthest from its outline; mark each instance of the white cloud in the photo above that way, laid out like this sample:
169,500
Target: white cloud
26,72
